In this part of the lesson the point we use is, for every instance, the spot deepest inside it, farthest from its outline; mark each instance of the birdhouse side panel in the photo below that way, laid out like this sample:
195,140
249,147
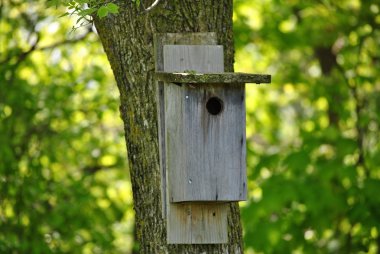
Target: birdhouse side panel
175,147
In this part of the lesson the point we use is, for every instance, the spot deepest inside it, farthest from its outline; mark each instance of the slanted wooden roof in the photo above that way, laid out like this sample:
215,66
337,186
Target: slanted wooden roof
213,78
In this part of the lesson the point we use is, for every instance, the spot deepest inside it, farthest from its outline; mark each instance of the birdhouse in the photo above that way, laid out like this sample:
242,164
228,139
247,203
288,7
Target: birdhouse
202,133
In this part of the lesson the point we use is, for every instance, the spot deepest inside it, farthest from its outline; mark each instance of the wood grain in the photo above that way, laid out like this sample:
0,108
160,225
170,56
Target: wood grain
194,58
205,153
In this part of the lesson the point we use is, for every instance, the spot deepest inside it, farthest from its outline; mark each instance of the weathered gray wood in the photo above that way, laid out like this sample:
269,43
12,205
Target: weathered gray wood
160,39
197,58
208,224
197,223
210,78
177,215
205,152
161,141
179,223
174,131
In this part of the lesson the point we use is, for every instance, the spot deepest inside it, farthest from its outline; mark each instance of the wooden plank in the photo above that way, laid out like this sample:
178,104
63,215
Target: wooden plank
161,142
179,223
179,227
208,224
213,78
206,153
194,58
199,223
204,226
174,131
160,39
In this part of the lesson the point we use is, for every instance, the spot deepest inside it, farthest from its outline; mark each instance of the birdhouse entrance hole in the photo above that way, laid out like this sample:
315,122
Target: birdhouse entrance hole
214,106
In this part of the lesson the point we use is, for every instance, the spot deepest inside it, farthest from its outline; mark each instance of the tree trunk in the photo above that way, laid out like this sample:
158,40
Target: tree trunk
128,42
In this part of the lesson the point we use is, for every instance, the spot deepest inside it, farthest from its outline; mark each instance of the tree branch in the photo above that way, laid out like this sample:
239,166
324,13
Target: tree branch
65,42
22,56
92,169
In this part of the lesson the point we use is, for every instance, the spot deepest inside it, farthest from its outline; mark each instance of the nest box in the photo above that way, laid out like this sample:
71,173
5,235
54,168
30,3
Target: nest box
202,135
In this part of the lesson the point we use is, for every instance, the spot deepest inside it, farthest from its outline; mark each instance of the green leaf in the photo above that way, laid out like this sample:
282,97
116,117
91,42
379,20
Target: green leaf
64,15
53,3
112,8
102,12
86,12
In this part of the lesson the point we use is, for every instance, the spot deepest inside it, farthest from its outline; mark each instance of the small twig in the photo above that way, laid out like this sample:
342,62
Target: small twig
92,169
34,47
151,6
21,57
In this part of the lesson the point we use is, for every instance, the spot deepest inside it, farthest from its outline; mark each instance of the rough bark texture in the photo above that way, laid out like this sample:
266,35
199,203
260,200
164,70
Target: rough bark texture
128,41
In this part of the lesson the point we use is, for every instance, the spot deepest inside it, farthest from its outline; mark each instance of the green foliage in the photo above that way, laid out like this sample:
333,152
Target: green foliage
108,8
64,186
85,9
314,133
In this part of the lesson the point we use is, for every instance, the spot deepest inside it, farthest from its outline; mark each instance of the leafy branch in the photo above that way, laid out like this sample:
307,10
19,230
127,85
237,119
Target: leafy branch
86,9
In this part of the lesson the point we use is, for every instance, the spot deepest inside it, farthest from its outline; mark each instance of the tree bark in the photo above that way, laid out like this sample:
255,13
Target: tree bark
127,39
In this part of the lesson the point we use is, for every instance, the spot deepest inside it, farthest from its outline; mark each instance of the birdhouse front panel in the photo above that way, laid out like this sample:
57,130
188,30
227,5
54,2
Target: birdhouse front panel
204,130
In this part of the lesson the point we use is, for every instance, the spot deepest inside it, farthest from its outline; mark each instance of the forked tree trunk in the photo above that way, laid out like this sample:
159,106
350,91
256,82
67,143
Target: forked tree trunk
128,42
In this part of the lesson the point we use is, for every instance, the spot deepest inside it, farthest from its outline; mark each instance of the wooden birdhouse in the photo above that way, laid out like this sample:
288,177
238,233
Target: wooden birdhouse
202,136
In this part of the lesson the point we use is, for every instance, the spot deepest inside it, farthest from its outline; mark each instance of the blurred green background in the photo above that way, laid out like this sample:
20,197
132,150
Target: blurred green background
312,135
